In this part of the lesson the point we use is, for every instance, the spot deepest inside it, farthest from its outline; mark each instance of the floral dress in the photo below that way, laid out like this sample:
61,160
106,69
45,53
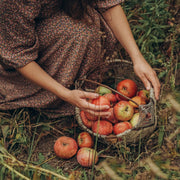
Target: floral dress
38,30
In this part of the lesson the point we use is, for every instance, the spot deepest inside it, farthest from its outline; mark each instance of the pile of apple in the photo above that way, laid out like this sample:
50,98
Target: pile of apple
66,147
124,112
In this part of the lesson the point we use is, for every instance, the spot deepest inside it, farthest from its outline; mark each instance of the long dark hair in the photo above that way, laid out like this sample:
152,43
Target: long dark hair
77,9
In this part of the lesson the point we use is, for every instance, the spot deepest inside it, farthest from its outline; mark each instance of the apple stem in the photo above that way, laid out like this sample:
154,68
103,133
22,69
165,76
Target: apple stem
88,80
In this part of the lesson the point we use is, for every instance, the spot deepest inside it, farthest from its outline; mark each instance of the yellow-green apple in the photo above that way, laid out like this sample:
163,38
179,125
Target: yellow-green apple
121,127
127,87
139,100
102,127
65,147
144,94
85,121
135,119
123,111
86,157
102,90
85,140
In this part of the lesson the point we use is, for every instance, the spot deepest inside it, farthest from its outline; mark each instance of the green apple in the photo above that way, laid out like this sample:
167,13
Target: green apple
102,90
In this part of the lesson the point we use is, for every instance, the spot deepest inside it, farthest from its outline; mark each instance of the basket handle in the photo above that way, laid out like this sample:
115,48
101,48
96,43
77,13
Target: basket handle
91,81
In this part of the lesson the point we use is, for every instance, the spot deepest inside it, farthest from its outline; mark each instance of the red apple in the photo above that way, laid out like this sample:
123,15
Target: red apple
91,117
102,127
144,94
135,119
100,101
102,90
127,87
121,127
111,97
84,140
112,118
85,121
86,157
65,147
123,111
138,100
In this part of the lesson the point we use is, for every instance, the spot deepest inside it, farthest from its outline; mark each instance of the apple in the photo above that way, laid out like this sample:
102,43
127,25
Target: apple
144,94
118,97
102,127
102,90
91,117
65,147
86,157
100,101
123,111
121,127
139,100
85,121
84,140
112,118
135,119
111,97
127,87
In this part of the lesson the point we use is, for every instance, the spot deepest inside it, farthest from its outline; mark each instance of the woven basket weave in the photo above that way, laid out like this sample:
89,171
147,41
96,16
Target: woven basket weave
110,73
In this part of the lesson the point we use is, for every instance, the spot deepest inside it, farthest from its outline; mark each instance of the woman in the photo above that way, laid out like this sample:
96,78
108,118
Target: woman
46,45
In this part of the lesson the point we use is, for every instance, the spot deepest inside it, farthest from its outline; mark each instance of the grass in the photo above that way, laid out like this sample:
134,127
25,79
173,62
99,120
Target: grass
27,137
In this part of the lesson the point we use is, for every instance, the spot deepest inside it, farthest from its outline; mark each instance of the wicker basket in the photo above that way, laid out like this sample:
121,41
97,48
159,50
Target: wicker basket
110,73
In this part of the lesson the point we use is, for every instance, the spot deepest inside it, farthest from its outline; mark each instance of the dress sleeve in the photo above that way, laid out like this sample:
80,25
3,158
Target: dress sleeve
18,39
103,5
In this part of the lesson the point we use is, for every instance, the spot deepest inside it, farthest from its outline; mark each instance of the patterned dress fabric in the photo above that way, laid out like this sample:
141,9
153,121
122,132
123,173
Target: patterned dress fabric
38,30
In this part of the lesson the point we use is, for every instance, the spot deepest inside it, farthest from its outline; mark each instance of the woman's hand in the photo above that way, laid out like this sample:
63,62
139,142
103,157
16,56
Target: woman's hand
80,99
148,76
117,21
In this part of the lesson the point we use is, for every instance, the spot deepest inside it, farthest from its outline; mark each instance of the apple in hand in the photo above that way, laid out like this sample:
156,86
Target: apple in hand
144,94
85,121
86,157
123,111
139,100
127,87
121,127
102,127
84,140
101,101
102,90
135,119
65,147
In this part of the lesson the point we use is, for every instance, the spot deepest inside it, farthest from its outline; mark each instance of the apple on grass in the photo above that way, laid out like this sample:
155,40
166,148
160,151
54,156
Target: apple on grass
127,87
85,140
86,157
102,127
65,147
123,111
88,123
135,119
121,127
